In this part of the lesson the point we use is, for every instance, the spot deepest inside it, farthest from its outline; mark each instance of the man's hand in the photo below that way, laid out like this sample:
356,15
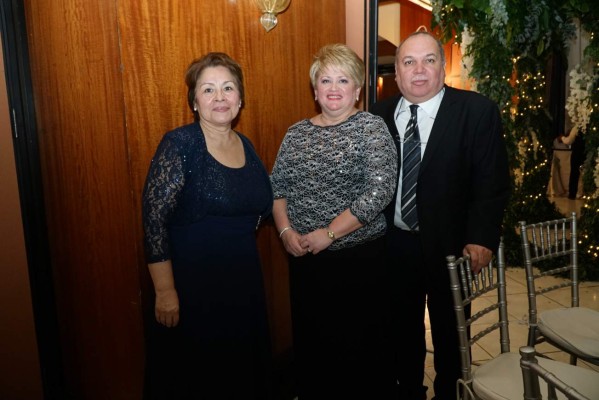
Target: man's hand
479,256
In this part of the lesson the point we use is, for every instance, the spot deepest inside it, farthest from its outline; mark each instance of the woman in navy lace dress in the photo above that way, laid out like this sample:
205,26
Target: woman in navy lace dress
205,195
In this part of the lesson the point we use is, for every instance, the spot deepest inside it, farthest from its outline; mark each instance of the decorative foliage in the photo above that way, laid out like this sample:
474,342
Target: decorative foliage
579,102
596,174
507,45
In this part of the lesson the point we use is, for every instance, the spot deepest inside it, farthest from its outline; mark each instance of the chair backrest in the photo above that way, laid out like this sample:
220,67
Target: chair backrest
466,289
532,373
553,243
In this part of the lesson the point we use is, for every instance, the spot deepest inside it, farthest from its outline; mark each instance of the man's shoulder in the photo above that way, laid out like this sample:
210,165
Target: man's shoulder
382,107
469,96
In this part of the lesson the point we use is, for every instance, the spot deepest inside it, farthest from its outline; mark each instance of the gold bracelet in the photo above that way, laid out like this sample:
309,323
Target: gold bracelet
283,231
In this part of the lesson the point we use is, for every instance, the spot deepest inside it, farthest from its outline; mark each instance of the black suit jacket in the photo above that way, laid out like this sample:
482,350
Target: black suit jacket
464,181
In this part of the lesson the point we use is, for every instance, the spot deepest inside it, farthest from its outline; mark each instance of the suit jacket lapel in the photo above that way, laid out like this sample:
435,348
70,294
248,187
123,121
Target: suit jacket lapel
440,128
389,118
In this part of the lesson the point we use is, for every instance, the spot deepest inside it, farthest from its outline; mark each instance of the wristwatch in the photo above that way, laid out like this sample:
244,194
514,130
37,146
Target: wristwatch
331,235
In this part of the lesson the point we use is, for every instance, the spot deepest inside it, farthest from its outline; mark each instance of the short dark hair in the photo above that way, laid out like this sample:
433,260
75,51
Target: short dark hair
213,59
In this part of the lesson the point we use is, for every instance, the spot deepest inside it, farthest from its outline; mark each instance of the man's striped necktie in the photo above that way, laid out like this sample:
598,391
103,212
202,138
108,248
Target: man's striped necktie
410,167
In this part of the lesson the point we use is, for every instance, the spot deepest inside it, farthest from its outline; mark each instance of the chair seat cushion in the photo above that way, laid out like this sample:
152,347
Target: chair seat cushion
501,378
572,328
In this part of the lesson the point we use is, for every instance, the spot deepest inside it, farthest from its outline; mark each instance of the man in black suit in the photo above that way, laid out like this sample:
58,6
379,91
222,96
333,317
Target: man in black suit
462,189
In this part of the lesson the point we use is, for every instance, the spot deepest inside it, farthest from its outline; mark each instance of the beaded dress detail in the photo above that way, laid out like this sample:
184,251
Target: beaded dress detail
202,216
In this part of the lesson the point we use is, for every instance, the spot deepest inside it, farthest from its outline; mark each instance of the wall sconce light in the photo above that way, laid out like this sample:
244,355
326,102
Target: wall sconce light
270,9
426,4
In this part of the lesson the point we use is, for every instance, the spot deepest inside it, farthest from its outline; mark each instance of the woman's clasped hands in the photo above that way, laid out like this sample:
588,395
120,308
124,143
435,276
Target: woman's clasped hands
299,245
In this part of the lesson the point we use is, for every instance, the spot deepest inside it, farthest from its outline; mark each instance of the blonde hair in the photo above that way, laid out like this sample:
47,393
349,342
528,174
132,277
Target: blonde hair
340,56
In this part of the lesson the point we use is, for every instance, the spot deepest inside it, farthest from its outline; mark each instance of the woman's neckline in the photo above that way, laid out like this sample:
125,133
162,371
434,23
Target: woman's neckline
322,125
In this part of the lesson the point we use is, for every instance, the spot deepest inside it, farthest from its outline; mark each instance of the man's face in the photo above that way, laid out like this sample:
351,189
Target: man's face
419,69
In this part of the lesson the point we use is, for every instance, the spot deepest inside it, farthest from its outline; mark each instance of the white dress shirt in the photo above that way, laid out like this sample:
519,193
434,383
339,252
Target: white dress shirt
427,112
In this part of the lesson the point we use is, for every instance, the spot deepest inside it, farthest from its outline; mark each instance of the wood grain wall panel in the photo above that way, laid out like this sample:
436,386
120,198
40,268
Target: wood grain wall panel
156,53
411,16
108,83
75,64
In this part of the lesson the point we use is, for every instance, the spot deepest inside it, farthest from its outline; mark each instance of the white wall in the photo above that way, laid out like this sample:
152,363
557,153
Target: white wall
354,25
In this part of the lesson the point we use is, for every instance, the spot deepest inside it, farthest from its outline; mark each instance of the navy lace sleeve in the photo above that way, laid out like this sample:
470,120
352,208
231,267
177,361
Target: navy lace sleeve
164,183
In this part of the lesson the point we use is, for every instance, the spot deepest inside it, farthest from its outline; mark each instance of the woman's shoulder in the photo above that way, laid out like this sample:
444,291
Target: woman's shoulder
185,132
300,123
183,140
368,116
184,136
370,119
298,129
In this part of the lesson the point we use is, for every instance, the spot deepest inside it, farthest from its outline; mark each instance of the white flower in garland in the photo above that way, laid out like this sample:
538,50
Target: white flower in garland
467,60
498,19
578,104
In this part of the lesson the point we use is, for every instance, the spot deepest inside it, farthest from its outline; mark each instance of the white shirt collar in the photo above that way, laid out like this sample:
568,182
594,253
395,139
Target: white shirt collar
430,107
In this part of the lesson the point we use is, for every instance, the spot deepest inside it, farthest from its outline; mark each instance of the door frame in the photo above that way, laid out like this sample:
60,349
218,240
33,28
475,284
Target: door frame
25,142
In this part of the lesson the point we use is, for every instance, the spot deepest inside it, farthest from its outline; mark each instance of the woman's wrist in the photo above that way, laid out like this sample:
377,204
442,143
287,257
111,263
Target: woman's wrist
284,230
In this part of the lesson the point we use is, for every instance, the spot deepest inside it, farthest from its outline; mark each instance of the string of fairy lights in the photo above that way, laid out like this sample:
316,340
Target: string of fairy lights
528,100
531,88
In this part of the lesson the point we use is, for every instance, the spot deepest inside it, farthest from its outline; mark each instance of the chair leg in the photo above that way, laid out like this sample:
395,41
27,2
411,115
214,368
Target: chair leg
467,393
573,359
532,336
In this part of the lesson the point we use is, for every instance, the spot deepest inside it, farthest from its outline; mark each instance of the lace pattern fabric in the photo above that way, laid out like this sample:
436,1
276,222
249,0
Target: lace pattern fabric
322,171
185,183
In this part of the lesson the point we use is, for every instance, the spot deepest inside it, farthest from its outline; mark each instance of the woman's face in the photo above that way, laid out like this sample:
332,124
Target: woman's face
335,91
217,96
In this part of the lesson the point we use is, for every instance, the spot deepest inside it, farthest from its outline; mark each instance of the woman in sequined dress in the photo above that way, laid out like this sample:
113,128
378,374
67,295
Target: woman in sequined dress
333,176
204,197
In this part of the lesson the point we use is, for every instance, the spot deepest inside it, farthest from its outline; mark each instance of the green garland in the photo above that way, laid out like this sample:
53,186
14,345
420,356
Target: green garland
513,41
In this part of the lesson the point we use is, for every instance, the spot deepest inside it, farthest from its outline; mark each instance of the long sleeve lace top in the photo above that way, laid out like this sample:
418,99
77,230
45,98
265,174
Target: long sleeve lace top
323,170
185,183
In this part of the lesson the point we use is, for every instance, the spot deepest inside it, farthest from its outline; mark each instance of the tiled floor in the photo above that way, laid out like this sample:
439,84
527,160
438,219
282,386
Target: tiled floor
518,310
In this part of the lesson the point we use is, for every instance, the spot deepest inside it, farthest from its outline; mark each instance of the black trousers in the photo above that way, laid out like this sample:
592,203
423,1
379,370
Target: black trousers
416,285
